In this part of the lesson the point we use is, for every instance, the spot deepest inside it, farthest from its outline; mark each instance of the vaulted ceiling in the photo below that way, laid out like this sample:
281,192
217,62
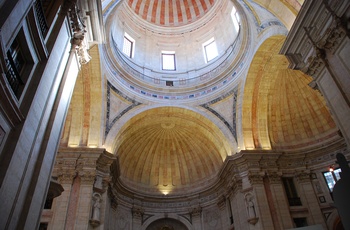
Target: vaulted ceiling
170,12
175,148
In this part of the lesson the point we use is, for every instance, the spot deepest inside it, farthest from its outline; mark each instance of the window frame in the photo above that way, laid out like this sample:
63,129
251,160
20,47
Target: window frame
20,63
291,191
164,64
235,18
335,175
207,44
128,38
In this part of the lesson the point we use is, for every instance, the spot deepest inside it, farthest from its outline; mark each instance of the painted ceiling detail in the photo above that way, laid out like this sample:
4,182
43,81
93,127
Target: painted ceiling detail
230,123
170,150
170,12
115,111
280,110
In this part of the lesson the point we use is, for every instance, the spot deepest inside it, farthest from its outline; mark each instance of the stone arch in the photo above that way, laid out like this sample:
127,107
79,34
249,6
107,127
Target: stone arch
171,218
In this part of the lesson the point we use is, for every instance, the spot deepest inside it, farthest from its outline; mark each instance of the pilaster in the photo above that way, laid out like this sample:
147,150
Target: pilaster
224,212
137,214
196,216
309,198
278,200
85,173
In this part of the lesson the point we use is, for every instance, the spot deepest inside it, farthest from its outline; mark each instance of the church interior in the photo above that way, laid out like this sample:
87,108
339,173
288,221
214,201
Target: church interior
174,114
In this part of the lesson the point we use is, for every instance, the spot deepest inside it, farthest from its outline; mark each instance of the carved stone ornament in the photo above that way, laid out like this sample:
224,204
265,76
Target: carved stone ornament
196,211
252,217
274,177
314,85
87,177
255,178
314,66
137,212
303,177
95,216
66,176
78,39
334,35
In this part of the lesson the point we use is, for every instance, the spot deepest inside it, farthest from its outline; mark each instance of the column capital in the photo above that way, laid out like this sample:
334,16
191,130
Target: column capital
137,212
274,177
196,211
255,178
303,176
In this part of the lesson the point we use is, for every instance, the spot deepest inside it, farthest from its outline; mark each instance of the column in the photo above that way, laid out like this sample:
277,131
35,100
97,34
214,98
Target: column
61,203
277,199
309,199
224,212
196,216
257,196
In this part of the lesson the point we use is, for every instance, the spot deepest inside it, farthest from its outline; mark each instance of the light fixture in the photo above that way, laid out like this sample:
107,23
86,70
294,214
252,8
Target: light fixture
331,168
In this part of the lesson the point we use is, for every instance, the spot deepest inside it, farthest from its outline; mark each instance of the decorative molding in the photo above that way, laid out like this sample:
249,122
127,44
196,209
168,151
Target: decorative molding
78,41
314,64
303,176
221,202
137,212
66,176
112,198
274,177
332,39
109,125
196,212
255,178
232,92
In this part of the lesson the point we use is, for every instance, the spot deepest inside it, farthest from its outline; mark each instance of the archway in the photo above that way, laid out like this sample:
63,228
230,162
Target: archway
166,224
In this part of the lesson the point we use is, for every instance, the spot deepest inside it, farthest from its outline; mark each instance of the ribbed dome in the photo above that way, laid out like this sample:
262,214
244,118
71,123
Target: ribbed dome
281,111
169,149
170,12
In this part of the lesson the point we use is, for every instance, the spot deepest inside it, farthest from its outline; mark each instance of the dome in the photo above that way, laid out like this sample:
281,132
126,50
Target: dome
152,57
170,12
170,150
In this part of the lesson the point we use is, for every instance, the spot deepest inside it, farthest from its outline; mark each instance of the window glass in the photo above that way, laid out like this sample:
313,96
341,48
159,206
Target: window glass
168,60
331,178
128,46
210,50
235,18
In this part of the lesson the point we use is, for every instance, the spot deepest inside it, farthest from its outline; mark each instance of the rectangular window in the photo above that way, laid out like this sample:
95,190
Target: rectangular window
169,83
291,192
168,60
40,16
128,46
210,50
331,178
235,18
19,63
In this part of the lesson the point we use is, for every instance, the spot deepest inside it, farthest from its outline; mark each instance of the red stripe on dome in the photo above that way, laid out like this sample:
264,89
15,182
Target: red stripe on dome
154,11
145,9
188,12
179,12
171,12
204,5
162,12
